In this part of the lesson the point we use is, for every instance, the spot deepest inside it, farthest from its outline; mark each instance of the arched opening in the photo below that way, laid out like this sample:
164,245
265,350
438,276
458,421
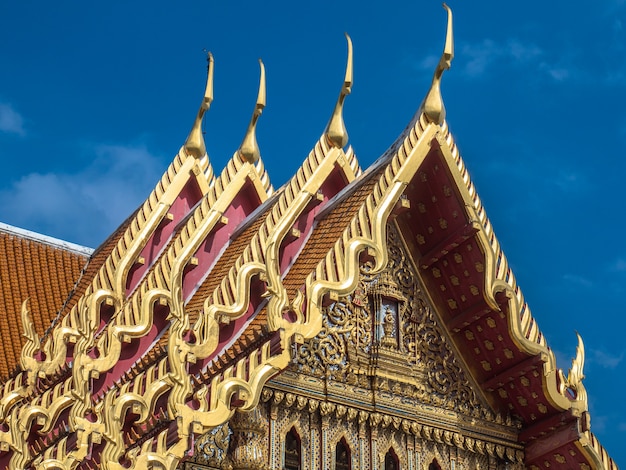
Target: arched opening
392,462
342,456
434,465
293,451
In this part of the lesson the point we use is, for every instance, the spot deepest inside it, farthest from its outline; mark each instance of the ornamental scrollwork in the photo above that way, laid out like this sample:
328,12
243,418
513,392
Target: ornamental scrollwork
388,311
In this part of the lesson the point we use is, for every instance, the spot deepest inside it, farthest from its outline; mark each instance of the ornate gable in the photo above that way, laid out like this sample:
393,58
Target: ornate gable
386,337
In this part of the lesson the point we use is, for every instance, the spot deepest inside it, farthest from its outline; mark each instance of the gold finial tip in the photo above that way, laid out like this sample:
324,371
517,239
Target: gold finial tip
261,98
249,149
433,106
336,130
194,145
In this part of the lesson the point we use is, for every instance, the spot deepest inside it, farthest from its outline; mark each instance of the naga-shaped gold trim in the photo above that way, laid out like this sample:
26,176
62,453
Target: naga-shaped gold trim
135,318
78,327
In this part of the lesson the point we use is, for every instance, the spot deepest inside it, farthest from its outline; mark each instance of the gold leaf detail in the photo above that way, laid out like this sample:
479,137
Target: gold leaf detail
452,304
447,192
479,328
443,223
542,408
508,353
430,229
420,239
522,401
469,335
463,298
423,177
572,452
443,289
474,289
458,258
454,280
479,267
486,365
491,322
477,350
524,380
503,393
436,272
489,345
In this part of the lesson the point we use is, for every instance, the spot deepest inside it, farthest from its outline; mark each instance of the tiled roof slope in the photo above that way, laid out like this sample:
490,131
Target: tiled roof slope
40,269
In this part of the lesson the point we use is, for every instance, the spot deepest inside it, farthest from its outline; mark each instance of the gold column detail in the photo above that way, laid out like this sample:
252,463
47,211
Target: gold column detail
246,447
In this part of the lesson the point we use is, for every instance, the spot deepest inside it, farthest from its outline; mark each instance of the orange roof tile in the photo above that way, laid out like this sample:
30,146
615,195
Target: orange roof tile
38,270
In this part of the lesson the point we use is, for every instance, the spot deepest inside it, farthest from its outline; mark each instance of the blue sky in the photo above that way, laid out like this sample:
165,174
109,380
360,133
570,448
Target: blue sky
97,97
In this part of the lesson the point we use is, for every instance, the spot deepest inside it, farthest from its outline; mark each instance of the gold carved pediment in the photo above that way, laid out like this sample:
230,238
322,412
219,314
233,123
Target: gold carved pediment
386,336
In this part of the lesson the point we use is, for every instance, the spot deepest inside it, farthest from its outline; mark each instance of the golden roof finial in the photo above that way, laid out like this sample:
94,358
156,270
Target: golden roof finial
194,145
249,149
575,375
336,130
434,109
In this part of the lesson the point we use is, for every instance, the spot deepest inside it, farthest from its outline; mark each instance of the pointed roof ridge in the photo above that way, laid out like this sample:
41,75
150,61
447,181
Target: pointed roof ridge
300,183
46,239
122,248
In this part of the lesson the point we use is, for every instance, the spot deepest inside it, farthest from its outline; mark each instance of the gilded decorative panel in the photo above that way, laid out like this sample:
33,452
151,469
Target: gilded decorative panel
388,320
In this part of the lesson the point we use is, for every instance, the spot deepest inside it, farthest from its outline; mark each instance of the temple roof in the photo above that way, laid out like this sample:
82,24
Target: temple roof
195,302
43,270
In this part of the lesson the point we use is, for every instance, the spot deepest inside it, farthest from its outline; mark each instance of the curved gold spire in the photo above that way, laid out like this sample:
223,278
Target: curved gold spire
434,110
194,145
336,130
576,375
249,149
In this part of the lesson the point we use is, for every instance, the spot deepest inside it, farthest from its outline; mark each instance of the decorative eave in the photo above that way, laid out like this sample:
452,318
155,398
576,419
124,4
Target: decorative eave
161,293
425,145
307,191
136,319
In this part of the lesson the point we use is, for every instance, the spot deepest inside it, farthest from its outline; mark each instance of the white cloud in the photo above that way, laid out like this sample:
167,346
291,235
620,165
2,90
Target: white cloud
86,205
618,265
605,359
480,56
577,280
11,121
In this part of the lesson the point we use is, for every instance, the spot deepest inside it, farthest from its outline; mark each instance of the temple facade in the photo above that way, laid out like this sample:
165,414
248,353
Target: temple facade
352,319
